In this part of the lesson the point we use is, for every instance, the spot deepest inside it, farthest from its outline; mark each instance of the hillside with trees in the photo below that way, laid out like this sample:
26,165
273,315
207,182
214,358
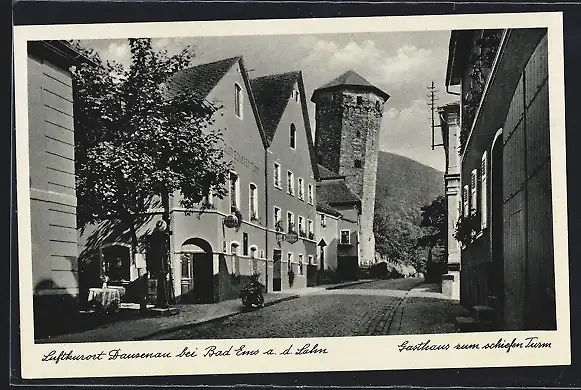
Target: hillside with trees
404,186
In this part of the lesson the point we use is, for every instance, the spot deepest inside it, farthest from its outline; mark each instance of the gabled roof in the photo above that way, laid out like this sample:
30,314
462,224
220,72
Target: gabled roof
325,173
350,79
325,208
200,79
335,192
273,92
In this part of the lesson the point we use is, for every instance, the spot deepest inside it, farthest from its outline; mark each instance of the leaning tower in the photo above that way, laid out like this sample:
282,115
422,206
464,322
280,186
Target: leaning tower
348,117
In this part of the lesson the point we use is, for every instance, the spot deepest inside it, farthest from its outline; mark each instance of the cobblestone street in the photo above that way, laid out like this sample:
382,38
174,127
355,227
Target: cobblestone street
358,310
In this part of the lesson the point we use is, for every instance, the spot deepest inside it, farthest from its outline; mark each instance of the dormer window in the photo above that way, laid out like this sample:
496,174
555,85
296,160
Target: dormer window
293,136
238,100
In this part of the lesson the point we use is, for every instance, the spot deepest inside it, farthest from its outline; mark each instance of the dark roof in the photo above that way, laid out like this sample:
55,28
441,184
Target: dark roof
60,52
325,173
350,79
334,192
200,79
325,208
272,94
458,51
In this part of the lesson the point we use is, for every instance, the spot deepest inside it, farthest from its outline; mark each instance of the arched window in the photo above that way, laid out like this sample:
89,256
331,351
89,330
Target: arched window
293,136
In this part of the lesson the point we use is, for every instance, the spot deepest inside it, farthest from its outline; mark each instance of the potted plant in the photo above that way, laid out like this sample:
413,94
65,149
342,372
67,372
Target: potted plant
254,218
467,229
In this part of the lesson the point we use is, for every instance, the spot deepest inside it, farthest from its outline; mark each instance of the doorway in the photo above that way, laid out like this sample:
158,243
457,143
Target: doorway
276,270
197,280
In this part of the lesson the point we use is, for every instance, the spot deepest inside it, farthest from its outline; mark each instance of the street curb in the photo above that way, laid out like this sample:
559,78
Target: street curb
348,284
209,320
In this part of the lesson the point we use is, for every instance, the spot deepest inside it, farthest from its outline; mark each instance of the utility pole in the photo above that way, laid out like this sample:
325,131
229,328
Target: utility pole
432,103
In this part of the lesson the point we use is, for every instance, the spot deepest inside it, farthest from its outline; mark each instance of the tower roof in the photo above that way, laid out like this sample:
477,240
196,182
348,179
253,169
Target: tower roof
350,79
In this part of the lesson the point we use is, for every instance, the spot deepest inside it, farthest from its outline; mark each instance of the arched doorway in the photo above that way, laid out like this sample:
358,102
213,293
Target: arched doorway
197,281
496,280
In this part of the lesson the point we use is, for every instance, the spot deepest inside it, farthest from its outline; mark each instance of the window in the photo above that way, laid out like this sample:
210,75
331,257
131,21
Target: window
301,189
234,191
262,254
290,221
245,244
473,191
310,232
310,194
235,258
483,191
208,200
465,201
296,95
345,237
116,261
301,270
323,220
289,261
253,202
238,100
311,260
277,175
357,164
252,263
293,136
359,100
290,182
276,215
302,231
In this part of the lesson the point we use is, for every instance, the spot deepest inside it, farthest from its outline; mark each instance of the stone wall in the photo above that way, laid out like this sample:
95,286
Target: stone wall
348,124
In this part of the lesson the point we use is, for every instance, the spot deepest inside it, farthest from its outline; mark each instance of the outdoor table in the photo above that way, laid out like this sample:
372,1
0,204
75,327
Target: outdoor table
106,299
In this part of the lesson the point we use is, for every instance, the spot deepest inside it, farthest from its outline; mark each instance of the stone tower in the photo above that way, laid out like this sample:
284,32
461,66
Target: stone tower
348,117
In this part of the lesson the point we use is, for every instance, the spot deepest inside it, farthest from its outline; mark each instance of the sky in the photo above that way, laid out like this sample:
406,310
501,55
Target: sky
403,64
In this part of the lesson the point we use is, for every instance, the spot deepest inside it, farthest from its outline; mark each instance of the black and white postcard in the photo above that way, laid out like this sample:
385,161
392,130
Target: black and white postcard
297,195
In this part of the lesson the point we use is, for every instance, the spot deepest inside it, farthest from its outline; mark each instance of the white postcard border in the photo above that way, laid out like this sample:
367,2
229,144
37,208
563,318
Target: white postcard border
343,354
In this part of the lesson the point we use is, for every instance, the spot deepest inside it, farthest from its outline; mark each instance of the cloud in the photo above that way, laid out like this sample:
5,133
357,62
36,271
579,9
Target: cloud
369,59
171,45
407,132
118,52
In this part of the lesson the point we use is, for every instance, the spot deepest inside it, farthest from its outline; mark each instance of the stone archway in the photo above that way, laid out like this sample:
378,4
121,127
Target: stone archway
197,281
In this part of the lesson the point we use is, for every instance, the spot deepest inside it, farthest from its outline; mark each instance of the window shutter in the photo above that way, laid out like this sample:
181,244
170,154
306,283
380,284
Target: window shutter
484,191
473,191
465,200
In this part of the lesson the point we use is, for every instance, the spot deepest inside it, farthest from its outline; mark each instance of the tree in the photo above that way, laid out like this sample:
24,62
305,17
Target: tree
396,236
136,143
434,223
